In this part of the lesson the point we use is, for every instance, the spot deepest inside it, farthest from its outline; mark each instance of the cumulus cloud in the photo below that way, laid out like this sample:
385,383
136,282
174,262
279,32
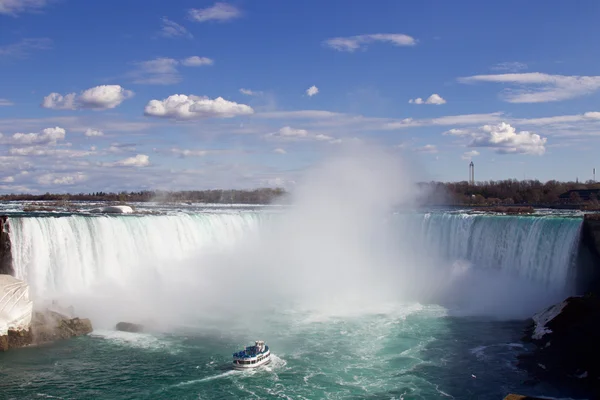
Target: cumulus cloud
139,160
93,132
172,29
8,179
279,151
180,106
311,91
163,70
5,103
506,140
353,43
102,97
219,12
48,136
457,132
433,99
469,155
24,47
539,87
14,7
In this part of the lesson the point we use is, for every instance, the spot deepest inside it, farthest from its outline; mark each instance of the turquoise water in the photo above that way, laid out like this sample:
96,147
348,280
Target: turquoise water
410,306
404,352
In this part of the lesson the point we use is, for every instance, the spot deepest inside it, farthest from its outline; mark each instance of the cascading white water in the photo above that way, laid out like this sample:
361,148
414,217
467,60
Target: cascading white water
539,249
69,254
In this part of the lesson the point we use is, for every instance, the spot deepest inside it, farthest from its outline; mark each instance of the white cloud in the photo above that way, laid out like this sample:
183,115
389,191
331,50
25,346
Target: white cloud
433,99
93,132
219,12
102,97
8,179
512,66
160,71
121,147
163,70
196,61
299,114
249,92
140,160
311,91
24,47
41,151
466,119
428,148
457,132
279,151
53,179
189,153
14,7
469,155
6,103
180,106
353,43
540,87
173,29
506,140
290,134
47,136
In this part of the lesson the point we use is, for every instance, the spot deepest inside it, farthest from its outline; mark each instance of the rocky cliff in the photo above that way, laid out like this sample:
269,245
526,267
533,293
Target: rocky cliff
6,266
588,270
567,350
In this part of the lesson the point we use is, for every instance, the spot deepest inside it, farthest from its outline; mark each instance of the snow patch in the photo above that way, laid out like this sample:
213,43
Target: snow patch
542,318
15,307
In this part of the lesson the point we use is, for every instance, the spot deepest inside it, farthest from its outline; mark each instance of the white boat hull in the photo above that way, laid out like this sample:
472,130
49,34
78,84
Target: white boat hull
251,363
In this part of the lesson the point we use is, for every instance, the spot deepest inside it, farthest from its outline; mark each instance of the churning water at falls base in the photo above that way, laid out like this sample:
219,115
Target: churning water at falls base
410,349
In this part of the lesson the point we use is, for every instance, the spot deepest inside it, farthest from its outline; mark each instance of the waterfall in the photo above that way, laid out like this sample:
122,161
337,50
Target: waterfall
538,248
70,253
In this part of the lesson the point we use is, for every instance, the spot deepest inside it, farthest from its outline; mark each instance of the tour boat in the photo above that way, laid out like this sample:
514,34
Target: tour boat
252,356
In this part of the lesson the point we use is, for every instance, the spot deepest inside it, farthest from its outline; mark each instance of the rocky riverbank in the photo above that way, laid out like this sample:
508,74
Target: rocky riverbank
22,325
567,350
46,327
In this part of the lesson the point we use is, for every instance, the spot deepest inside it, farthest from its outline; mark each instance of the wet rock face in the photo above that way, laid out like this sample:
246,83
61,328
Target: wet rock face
51,326
46,327
6,265
567,346
129,327
15,339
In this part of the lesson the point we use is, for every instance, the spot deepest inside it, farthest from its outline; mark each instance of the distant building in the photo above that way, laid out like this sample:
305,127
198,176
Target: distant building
584,195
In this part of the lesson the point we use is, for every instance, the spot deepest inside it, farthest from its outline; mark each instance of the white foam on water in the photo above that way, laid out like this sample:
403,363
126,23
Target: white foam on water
137,340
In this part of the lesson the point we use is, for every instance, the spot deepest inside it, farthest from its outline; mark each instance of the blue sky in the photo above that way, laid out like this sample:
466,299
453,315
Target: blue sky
129,95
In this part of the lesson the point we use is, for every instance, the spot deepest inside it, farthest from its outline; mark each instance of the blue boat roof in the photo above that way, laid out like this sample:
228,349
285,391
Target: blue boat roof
250,352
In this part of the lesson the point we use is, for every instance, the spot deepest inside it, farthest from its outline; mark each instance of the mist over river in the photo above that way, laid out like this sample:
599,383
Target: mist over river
359,294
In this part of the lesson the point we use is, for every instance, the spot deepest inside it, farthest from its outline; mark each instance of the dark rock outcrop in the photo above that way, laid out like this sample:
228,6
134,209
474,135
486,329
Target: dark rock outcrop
46,327
129,327
6,265
51,326
15,339
567,347
588,270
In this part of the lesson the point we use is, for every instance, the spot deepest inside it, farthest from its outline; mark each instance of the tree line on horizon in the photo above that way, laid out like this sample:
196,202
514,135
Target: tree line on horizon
504,192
